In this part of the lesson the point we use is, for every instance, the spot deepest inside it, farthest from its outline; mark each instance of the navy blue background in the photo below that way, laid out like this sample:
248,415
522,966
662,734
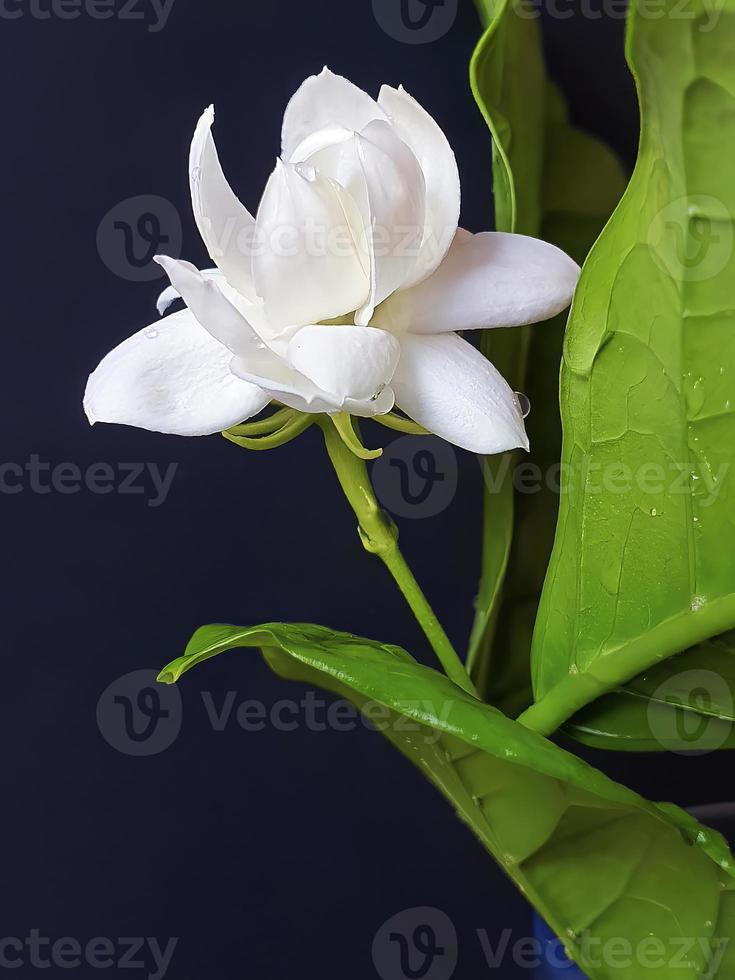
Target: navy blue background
269,853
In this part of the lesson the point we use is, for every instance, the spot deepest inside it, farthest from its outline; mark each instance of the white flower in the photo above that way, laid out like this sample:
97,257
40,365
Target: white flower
345,293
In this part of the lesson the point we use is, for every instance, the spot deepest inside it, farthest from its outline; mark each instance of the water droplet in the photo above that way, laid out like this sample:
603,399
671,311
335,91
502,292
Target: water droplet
150,333
694,391
196,175
524,404
654,512
574,670
306,171
697,602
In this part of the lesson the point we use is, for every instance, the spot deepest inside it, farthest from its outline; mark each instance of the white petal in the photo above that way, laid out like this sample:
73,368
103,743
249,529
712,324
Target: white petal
171,293
368,407
171,377
432,150
226,225
306,265
210,306
447,386
285,384
348,362
492,279
384,178
325,101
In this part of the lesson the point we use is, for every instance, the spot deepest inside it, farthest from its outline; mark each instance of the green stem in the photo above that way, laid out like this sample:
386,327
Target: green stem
380,537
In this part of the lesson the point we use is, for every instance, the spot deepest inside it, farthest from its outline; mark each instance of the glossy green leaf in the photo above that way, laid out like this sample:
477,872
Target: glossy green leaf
685,704
642,565
599,863
552,180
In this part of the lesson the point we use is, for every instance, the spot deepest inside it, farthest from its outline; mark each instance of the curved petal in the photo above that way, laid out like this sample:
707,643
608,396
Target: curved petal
254,362
383,177
226,225
324,101
492,279
210,306
446,385
171,377
170,294
306,265
348,362
432,150
285,384
378,405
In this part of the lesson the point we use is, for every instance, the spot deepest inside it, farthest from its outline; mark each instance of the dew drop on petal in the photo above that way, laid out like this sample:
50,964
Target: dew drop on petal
150,333
306,171
524,403
196,174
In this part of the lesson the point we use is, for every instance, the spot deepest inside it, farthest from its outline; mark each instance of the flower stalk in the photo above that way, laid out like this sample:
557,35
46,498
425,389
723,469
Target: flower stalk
379,536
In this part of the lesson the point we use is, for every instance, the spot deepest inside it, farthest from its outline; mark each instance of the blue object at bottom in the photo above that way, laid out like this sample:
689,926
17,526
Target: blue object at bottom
554,961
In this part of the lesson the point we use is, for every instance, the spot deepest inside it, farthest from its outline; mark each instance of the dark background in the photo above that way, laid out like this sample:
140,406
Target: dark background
271,853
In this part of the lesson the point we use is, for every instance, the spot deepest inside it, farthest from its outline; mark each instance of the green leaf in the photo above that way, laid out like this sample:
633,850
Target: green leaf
642,565
598,862
552,180
684,704
506,75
